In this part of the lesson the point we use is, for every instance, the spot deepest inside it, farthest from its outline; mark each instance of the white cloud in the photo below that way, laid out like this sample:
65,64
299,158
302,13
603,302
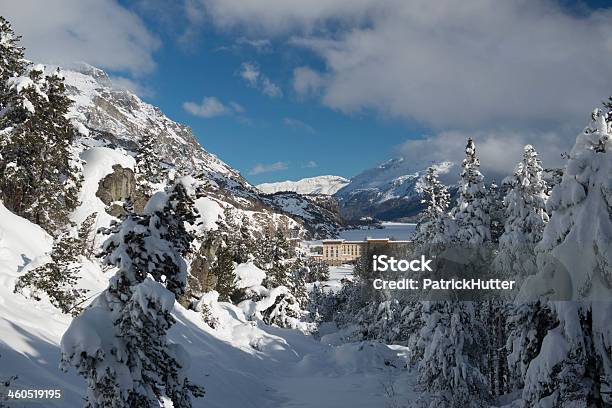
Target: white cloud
261,45
253,76
447,64
102,33
128,84
211,107
499,152
307,81
311,164
267,168
278,16
298,124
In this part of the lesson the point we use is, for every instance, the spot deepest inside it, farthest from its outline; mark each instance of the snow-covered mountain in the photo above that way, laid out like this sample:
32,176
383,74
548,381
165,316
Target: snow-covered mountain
121,118
112,121
389,191
328,185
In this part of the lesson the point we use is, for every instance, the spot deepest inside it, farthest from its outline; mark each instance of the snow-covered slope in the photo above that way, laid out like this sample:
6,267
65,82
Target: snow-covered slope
388,191
241,363
313,185
320,213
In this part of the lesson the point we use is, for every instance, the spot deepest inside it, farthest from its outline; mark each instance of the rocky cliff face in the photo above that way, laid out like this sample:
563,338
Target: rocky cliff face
117,187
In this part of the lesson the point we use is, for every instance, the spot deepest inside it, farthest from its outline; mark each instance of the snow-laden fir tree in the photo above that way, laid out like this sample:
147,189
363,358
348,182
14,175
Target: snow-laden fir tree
318,271
236,235
12,62
431,226
39,178
527,324
579,233
58,278
451,345
223,269
496,210
526,217
245,247
105,343
283,309
471,220
573,366
149,171
277,259
452,339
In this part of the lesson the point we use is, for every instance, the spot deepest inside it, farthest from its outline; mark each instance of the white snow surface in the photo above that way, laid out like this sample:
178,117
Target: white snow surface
241,363
248,275
98,163
313,185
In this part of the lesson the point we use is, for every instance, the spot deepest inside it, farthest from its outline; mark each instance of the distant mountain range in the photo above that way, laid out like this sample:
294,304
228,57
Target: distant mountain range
389,191
327,185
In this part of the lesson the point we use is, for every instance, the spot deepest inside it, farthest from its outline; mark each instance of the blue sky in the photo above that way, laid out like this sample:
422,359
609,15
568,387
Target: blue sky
285,89
307,138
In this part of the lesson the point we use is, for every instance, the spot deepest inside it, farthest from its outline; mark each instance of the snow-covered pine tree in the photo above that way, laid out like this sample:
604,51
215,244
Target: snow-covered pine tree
299,273
87,236
223,268
496,210
245,245
142,326
39,178
579,233
105,342
430,229
573,366
470,215
149,171
284,310
58,277
527,323
318,271
526,217
279,273
174,217
451,342
12,63
230,233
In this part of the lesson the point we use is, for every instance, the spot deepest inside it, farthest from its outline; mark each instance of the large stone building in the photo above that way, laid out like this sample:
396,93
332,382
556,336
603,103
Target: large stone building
339,251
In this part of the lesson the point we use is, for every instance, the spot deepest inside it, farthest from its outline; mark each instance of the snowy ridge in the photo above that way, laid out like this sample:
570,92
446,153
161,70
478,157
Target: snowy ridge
327,185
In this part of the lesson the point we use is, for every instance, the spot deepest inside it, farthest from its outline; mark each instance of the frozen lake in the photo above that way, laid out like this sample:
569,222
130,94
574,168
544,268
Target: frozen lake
395,230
